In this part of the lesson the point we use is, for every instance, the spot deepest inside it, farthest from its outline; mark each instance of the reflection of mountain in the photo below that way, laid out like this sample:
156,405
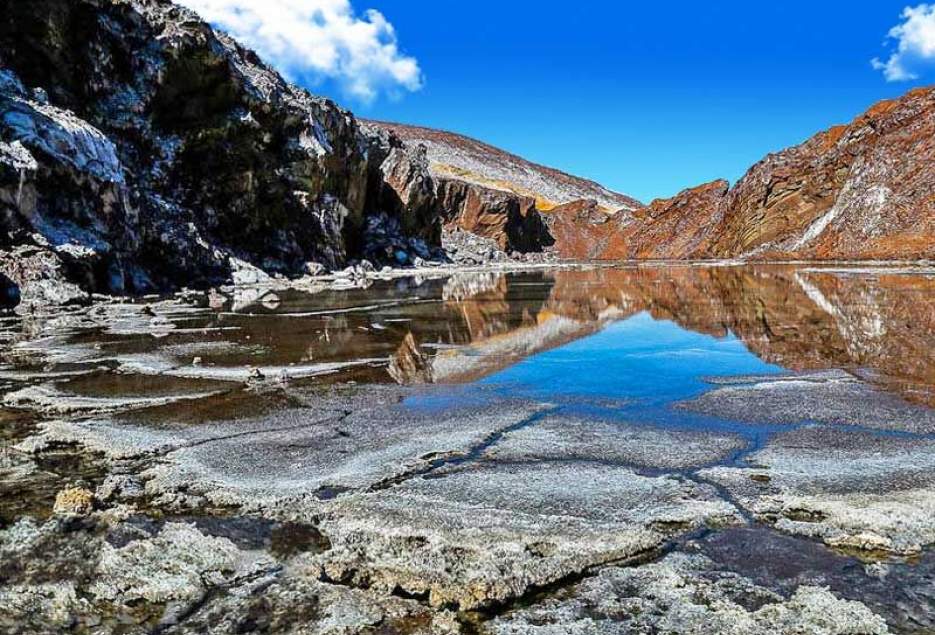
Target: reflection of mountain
493,321
798,318
471,325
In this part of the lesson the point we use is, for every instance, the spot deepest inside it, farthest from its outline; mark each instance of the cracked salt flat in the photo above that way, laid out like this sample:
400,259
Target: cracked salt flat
585,458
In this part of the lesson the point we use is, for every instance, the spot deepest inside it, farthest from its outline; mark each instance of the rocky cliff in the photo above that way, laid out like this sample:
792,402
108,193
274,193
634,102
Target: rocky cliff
865,190
456,157
140,150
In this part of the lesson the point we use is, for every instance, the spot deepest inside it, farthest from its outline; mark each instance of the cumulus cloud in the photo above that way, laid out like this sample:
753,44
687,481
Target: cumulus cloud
915,37
312,40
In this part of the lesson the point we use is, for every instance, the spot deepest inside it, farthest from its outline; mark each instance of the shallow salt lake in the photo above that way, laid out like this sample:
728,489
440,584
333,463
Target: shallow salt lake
801,397
652,334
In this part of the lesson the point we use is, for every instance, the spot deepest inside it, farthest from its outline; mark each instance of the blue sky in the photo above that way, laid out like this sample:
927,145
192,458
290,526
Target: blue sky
645,97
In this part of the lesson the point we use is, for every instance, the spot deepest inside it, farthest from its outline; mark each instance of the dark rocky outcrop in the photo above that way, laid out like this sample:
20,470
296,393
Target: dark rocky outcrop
146,151
33,277
402,185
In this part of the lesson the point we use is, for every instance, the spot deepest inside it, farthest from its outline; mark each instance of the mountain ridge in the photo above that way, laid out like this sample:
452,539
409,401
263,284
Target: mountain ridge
456,155
858,191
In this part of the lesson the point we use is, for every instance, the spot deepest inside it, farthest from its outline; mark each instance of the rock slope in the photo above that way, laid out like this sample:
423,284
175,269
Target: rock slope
142,151
453,156
864,190
860,191
142,148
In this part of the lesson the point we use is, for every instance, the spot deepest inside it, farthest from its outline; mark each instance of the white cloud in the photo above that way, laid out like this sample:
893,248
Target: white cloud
916,44
312,40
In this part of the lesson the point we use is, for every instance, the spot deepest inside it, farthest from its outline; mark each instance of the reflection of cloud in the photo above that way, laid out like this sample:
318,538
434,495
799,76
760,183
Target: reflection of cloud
316,39
916,44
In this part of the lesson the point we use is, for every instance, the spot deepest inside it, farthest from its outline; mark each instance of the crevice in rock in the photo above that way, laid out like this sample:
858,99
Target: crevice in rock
454,459
471,621
240,435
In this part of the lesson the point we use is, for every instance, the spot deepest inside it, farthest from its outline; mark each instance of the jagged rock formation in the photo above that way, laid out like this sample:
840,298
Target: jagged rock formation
456,157
140,150
581,230
152,149
509,220
411,184
669,228
865,190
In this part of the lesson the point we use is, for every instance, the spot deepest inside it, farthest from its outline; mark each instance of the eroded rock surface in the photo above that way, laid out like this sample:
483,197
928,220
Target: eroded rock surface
229,460
850,489
465,538
681,595
133,575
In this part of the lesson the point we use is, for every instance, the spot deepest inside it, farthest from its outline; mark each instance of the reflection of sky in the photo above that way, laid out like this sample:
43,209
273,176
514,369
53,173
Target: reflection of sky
640,358
633,372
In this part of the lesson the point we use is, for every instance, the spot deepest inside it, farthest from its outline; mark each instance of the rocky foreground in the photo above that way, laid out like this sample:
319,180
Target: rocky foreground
287,459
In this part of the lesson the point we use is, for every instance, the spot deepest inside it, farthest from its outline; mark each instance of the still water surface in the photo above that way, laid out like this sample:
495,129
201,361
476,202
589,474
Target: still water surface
643,336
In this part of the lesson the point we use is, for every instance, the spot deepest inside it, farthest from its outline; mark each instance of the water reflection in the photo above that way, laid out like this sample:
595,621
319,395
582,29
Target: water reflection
615,331
880,325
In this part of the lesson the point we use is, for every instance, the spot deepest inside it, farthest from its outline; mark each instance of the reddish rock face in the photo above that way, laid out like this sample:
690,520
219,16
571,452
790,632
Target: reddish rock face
510,220
581,230
865,190
861,191
675,228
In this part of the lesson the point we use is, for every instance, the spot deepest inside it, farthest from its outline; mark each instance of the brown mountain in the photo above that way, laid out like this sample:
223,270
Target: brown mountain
864,190
860,191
